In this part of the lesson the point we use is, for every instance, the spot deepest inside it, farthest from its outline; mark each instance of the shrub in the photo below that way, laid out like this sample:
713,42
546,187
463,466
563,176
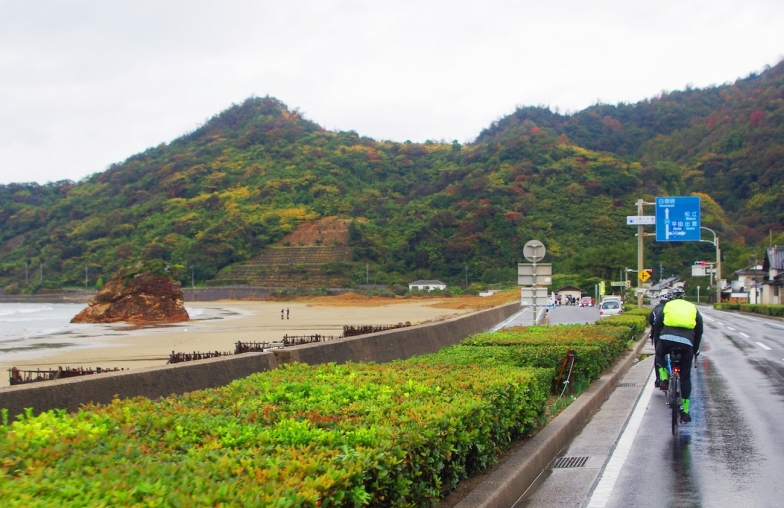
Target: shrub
766,310
399,434
545,347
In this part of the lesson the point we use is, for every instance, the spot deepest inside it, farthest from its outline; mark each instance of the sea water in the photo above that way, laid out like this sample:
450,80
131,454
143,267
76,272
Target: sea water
20,321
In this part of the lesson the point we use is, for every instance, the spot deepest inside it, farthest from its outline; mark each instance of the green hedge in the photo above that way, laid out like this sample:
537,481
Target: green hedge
635,324
596,347
590,361
398,434
767,310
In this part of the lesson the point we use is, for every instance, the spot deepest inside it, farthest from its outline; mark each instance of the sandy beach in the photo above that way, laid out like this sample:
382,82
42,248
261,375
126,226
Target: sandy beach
216,326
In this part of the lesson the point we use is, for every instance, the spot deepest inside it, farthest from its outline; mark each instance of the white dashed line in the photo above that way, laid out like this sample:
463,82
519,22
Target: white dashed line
719,323
709,319
778,326
730,328
744,335
763,346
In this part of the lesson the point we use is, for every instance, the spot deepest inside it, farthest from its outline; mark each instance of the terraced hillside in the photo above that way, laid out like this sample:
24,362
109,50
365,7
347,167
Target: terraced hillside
308,264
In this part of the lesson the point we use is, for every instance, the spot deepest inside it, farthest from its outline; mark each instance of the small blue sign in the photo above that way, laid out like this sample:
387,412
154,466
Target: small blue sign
678,219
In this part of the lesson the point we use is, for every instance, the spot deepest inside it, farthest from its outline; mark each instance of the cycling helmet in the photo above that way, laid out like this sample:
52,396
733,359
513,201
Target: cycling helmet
664,297
677,293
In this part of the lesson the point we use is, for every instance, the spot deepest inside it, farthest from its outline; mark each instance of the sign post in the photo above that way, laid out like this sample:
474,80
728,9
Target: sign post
527,275
640,220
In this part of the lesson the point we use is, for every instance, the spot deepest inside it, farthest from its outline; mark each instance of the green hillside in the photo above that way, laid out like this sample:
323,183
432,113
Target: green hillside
725,141
223,193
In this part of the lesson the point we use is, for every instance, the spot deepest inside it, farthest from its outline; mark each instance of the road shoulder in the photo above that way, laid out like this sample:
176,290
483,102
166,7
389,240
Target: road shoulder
505,486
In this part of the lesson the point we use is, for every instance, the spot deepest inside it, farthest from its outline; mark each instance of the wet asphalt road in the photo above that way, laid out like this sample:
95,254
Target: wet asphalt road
732,454
569,314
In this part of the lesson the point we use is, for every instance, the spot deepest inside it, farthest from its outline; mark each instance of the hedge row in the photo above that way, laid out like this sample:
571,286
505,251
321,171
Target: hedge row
595,347
399,434
633,323
767,310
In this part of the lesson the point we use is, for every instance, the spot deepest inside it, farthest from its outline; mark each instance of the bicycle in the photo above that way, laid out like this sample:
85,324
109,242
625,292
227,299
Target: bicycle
674,398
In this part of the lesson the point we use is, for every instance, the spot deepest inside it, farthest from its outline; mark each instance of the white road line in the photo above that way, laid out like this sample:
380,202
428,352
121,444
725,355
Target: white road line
601,494
720,323
763,346
744,335
503,325
778,326
730,328
706,317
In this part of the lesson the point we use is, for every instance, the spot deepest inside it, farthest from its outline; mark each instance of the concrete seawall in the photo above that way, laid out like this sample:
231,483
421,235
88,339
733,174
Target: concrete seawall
398,344
154,382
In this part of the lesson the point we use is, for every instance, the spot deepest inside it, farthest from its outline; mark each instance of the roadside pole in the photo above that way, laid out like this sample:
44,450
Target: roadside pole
639,255
528,275
640,221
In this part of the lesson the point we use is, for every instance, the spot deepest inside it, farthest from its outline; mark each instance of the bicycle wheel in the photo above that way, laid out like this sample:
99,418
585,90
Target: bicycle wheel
675,402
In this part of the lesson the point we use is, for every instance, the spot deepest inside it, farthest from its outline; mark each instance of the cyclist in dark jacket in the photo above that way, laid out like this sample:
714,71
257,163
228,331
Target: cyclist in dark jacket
652,318
680,327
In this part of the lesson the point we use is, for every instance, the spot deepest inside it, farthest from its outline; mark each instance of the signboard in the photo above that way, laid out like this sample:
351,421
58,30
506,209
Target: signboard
678,219
702,271
525,274
534,251
534,296
644,275
640,220
618,283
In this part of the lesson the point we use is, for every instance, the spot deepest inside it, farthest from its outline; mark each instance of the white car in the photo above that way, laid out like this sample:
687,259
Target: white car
611,307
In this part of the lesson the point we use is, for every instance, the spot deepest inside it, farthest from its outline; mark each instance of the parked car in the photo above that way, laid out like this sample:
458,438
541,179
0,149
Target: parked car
586,301
611,307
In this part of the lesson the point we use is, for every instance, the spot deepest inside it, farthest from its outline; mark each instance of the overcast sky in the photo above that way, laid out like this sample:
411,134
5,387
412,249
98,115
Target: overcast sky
84,84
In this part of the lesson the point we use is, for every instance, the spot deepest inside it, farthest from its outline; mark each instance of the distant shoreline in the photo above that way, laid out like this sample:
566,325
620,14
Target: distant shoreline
216,327
46,298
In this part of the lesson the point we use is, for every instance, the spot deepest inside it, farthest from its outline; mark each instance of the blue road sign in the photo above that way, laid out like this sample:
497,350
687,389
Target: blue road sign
678,219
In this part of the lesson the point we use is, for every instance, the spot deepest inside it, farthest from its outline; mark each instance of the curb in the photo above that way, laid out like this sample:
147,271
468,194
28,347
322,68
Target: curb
504,487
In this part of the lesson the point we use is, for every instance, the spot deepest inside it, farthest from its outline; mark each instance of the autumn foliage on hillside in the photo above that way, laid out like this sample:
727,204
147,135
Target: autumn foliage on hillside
253,175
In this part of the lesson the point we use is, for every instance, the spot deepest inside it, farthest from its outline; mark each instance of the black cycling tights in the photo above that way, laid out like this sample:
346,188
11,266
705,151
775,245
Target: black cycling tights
687,354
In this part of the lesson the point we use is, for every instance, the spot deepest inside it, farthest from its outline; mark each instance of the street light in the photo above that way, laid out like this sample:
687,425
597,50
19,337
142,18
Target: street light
715,242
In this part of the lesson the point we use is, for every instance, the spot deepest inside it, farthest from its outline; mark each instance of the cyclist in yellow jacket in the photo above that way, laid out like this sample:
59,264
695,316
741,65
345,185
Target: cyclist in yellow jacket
680,327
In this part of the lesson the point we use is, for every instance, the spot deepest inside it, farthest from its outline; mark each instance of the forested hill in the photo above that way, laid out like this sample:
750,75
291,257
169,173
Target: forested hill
727,141
245,179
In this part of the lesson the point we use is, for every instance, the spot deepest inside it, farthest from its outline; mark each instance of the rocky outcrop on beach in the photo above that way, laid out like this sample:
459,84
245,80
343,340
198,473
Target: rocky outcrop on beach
136,298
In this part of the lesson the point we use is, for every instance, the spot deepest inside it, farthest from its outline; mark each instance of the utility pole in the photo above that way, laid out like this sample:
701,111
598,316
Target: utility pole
466,269
41,266
85,276
193,280
367,273
26,281
639,255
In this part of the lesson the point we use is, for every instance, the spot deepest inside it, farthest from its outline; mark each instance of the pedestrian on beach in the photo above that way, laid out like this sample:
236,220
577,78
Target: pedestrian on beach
281,313
287,312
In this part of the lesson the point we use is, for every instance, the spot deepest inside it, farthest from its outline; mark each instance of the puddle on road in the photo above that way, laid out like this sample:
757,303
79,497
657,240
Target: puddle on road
727,434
